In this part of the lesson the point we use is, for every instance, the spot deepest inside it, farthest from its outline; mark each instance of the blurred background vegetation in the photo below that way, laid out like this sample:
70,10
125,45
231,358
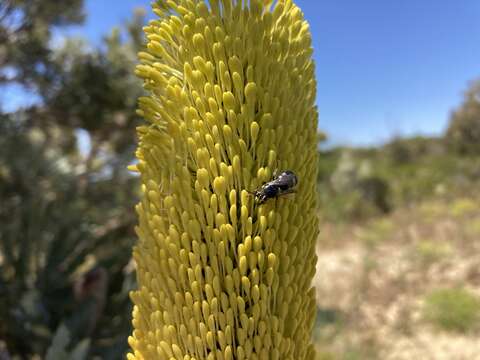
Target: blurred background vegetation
66,213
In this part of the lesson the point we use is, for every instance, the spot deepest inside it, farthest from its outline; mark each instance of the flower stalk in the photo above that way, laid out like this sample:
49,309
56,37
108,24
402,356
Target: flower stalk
231,99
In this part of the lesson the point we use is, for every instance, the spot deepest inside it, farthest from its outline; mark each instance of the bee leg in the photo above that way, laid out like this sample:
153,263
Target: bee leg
260,200
254,194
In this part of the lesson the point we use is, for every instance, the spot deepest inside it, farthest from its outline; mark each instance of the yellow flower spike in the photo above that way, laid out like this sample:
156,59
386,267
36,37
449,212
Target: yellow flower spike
231,100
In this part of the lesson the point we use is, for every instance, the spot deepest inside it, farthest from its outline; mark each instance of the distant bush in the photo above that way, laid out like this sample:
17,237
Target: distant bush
356,191
407,150
463,133
452,309
346,174
376,191
358,183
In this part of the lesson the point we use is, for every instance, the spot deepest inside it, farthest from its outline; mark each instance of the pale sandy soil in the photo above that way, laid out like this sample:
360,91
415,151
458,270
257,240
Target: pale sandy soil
377,276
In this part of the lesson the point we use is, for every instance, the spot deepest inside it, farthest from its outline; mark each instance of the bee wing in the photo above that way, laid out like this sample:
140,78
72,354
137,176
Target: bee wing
286,180
282,183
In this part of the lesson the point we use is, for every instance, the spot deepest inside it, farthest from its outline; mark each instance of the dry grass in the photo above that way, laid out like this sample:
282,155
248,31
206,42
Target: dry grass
372,281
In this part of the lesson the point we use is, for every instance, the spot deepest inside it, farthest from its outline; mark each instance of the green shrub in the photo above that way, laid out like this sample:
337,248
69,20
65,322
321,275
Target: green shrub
452,309
407,150
428,252
377,231
352,190
463,133
375,191
462,207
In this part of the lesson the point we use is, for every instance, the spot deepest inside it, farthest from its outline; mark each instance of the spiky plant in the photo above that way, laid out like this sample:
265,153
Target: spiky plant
231,100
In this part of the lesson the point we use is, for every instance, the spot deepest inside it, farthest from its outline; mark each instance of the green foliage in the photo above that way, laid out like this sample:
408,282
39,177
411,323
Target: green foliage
25,31
326,318
60,342
349,188
360,183
377,231
360,353
375,191
406,150
463,133
49,229
428,252
66,219
430,210
97,106
452,309
463,206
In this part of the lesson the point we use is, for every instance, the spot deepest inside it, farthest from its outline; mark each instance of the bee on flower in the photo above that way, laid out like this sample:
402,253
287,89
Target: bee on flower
282,184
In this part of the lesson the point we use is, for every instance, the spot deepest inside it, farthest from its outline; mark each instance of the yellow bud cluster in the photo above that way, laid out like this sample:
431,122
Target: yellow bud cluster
231,99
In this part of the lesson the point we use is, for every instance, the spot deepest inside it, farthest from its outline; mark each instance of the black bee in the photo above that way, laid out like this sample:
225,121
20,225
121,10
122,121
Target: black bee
280,185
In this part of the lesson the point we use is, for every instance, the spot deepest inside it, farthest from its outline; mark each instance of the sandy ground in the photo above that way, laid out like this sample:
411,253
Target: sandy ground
377,280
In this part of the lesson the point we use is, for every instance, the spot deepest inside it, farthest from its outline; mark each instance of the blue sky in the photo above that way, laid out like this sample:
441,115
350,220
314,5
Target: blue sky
384,67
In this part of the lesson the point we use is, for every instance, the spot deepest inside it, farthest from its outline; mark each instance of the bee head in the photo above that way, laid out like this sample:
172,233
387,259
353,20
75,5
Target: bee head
290,177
